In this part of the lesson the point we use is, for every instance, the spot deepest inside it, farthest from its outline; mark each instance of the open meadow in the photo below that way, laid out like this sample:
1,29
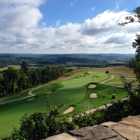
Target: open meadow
13,66
81,89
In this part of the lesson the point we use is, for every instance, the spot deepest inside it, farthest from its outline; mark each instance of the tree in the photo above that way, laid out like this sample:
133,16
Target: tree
2,89
107,72
134,94
132,63
24,66
10,80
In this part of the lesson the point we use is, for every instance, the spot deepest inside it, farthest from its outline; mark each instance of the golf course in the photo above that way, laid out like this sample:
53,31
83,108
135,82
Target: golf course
83,90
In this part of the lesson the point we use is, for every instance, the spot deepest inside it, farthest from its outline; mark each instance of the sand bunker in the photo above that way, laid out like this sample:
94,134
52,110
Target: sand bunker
92,86
93,95
70,109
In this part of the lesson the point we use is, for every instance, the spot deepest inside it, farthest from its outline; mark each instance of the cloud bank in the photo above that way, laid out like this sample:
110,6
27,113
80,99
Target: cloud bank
20,31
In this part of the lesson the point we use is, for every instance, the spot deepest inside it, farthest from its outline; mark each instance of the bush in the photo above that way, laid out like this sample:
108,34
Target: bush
107,72
41,125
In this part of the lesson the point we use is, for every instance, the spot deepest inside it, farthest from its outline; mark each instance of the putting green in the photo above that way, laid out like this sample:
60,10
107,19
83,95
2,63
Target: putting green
74,89
72,92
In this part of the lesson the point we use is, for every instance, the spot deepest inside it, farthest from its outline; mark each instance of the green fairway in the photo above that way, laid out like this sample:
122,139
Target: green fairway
71,92
11,113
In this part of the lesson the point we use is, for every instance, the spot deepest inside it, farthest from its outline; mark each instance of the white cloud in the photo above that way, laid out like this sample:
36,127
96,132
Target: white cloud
58,22
118,4
119,38
68,29
16,19
43,24
72,4
20,33
92,8
27,2
103,23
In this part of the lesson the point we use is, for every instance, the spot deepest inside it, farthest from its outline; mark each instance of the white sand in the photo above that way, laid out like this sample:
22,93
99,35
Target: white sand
70,109
93,95
92,86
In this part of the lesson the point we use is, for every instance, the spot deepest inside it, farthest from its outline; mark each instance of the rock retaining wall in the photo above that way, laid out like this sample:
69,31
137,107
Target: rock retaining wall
127,129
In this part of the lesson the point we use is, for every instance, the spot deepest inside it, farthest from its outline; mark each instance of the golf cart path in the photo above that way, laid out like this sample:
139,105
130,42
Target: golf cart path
33,95
112,77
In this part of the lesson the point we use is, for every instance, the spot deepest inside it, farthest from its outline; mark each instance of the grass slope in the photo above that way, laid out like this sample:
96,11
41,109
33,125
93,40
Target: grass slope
70,92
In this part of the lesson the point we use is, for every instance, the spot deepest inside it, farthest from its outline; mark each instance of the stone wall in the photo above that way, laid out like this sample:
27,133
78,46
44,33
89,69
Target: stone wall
127,129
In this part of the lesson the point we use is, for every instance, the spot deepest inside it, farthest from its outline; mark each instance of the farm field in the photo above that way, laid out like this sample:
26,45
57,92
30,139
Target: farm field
14,66
71,92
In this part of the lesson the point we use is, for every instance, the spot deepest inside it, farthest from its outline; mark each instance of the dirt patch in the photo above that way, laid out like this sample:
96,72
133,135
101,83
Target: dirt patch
93,95
92,86
70,109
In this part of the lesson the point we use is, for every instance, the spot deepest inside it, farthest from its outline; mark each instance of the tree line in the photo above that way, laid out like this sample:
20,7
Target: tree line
13,81
67,60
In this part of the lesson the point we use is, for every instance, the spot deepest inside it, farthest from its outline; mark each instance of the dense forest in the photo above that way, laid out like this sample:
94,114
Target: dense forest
67,60
14,80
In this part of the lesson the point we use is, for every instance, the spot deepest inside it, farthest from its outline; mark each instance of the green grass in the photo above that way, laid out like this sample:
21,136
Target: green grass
74,89
12,112
14,97
117,81
71,92
101,90
14,66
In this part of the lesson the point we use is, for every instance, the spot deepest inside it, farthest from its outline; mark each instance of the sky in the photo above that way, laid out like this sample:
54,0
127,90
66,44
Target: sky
67,26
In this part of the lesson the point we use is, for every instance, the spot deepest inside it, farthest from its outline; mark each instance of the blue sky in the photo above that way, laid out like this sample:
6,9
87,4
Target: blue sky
66,26
76,11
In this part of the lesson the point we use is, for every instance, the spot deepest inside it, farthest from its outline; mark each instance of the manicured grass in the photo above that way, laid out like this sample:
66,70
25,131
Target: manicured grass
14,97
11,113
101,90
71,92
74,89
